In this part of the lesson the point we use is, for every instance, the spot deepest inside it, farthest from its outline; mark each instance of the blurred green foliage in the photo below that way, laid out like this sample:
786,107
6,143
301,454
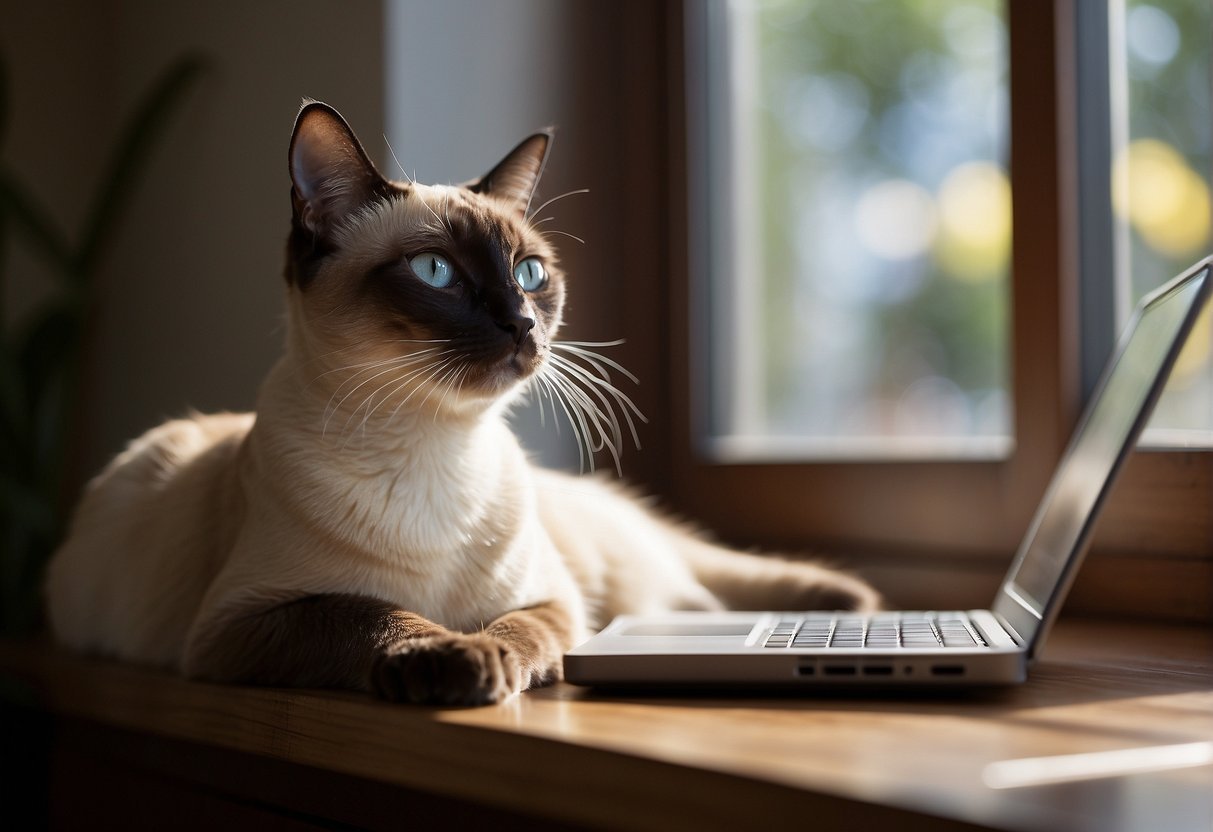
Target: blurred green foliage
1169,100
862,310
898,62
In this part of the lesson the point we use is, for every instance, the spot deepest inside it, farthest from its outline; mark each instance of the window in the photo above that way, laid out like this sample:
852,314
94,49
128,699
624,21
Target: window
1161,117
935,512
861,225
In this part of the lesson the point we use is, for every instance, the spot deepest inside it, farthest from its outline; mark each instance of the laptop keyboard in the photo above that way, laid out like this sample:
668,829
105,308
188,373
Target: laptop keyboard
881,631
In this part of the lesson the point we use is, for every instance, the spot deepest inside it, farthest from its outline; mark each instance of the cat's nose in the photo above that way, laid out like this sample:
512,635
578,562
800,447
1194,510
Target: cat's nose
518,326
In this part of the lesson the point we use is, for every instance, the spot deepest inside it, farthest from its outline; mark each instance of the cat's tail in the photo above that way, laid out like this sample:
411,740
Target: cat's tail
762,582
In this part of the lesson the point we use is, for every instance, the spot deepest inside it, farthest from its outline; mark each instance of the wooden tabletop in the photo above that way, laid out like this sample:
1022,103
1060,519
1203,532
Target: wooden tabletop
1123,716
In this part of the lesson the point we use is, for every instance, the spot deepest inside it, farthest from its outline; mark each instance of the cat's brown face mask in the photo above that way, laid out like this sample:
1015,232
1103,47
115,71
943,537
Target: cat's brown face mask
448,289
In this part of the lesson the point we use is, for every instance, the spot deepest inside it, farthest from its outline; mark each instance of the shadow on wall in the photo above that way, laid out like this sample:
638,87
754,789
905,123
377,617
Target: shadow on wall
40,350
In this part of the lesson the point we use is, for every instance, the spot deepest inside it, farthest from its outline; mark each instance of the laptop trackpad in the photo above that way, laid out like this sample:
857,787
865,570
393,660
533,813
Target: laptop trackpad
739,629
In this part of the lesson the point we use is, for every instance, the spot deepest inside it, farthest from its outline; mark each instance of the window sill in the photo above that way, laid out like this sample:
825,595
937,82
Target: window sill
788,450
567,756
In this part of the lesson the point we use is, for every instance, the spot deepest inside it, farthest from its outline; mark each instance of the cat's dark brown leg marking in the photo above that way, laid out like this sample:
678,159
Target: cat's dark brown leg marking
311,641
519,650
361,643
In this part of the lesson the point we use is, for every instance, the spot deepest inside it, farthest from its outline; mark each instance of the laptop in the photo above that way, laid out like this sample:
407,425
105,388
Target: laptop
928,648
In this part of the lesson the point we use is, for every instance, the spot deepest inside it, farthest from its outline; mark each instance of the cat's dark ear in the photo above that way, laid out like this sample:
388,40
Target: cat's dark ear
514,178
331,173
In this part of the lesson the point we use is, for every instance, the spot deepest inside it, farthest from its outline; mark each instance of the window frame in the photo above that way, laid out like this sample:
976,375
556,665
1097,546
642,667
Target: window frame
906,520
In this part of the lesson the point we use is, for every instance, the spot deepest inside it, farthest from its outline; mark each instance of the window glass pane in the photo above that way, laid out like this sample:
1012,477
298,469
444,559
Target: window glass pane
1162,121
862,227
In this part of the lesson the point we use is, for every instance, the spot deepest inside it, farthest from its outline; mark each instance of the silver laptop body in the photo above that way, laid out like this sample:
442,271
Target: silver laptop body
973,647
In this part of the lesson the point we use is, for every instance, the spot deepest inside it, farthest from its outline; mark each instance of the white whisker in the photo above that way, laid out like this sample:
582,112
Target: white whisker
589,413
551,396
558,198
368,402
585,460
618,342
594,358
575,374
626,406
604,422
589,398
382,362
446,213
450,387
329,413
436,386
330,409
580,429
363,346
563,234
424,382
403,172
433,213
397,385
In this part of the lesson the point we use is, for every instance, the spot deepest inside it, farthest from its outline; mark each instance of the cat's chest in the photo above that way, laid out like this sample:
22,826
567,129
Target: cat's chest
443,492
447,529
455,554
423,517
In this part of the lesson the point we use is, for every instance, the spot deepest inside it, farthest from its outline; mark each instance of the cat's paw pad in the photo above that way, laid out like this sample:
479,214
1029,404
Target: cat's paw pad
452,669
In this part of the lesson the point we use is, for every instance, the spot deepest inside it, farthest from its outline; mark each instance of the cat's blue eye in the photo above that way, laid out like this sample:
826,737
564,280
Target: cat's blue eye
530,274
434,269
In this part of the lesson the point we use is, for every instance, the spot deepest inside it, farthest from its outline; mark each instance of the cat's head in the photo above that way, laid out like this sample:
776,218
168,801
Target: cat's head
438,295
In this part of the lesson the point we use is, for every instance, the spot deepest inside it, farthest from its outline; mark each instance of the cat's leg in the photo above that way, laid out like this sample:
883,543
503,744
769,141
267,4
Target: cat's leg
293,640
520,650
362,643
757,582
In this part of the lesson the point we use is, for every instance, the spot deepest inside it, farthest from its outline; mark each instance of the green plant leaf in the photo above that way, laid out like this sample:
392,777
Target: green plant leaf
46,361
30,218
3,279
49,428
18,500
52,336
130,157
14,432
26,552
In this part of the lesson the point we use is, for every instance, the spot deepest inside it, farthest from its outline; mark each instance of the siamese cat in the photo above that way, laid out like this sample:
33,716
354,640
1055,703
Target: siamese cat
374,525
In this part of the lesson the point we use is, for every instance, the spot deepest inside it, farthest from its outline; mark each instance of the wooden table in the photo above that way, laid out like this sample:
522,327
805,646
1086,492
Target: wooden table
570,757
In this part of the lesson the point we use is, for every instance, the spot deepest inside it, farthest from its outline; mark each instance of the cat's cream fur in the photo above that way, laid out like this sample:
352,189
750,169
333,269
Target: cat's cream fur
421,503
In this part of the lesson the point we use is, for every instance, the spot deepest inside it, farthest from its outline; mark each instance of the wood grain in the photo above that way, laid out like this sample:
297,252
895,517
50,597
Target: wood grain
713,762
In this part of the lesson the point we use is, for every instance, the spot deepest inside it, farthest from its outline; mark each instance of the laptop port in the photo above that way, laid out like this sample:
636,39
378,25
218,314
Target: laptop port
805,670
839,670
947,670
878,670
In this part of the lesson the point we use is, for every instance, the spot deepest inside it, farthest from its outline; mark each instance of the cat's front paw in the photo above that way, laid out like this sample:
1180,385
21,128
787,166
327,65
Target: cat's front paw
452,669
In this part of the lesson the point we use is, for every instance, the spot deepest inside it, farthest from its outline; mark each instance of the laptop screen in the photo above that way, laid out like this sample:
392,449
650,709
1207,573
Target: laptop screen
1039,576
